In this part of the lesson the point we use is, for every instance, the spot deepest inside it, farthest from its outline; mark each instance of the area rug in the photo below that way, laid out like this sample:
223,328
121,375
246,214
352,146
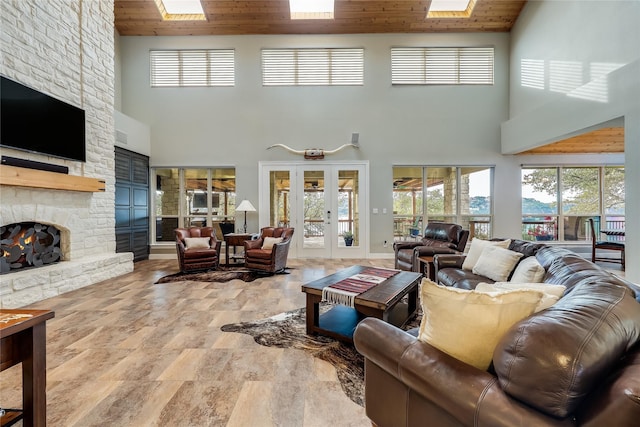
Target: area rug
288,330
222,274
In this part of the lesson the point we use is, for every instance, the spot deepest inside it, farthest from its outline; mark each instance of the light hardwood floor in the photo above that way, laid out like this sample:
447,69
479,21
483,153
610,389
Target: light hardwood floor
128,352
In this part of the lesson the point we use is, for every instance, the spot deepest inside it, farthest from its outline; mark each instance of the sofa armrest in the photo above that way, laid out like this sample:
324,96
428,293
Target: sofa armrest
423,368
433,250
406,245
468,394
441,261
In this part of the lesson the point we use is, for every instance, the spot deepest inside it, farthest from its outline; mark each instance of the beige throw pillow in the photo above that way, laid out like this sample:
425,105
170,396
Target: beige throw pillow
551,293
268,242
496,263
468,324
196,242
528,271
475,250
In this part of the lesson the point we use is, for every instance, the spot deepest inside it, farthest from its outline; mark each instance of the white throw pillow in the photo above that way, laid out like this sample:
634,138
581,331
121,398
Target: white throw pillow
196,242
528,271
475,250
469,324
551,293
268,242
496,263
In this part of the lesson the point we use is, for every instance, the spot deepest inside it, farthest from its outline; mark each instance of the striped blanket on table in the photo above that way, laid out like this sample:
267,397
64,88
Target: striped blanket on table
345,291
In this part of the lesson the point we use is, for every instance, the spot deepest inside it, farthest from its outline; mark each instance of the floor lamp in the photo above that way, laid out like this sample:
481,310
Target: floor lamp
245,206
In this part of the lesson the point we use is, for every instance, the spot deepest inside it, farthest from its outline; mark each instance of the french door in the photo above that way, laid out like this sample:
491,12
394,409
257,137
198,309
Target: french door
324,203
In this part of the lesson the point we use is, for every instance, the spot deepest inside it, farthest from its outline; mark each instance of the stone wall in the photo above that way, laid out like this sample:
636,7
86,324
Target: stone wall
65,48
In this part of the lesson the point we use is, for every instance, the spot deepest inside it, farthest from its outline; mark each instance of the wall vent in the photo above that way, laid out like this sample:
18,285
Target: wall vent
121,137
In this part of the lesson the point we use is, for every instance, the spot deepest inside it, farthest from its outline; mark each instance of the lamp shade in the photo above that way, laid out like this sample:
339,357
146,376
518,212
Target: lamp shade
245,206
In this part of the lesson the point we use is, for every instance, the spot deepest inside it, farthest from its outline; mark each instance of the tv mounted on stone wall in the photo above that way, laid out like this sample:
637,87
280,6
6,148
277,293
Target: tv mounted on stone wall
35,122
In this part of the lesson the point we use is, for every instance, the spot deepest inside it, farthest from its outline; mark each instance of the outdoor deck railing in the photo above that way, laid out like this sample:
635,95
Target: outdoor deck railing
316,227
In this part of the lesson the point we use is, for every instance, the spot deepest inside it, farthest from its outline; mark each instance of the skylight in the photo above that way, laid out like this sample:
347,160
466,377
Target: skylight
448,5
311,9
450,8
181,10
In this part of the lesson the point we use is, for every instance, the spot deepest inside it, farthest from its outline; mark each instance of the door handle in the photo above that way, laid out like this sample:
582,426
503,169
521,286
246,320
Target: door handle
328,217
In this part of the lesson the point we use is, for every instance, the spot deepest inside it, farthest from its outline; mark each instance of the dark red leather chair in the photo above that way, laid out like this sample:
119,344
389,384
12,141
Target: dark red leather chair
259,256
198,248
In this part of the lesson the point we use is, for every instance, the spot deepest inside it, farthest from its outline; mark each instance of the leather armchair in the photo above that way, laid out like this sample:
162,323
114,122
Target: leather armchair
439,238
272,260
197,258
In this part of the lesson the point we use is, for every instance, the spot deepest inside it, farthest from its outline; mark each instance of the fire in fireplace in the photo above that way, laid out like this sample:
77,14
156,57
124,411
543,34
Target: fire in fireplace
28,244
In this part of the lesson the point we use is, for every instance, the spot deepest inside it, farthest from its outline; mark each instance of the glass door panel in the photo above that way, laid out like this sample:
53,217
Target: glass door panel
316,215
348,209
279,198
348,185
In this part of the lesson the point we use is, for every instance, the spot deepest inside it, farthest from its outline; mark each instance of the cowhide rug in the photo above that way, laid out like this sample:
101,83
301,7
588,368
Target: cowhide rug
288,330
222,274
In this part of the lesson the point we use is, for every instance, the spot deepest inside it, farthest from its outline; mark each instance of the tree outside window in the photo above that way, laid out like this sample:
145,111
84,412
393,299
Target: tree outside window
570,196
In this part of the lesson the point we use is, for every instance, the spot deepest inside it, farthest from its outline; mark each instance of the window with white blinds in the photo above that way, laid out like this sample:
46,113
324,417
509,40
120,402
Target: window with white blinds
179,68
442,66
309,67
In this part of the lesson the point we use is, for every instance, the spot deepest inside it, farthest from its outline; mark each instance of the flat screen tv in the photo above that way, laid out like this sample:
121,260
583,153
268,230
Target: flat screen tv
35,122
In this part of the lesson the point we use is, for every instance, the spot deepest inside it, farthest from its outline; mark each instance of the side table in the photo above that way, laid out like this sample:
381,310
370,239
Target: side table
23,340
427,268
233,240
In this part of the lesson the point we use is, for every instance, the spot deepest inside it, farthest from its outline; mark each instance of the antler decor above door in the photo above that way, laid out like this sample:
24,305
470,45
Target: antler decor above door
314,153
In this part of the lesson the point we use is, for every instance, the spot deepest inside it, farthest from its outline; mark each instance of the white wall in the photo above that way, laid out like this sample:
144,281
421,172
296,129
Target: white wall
437,125
137,135
590,57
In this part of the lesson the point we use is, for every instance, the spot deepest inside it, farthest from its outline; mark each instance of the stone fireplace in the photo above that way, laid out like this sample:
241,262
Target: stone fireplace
80,33
28,245
86,243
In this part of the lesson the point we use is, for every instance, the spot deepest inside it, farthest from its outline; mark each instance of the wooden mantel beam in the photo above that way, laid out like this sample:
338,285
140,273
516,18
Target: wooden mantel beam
23,177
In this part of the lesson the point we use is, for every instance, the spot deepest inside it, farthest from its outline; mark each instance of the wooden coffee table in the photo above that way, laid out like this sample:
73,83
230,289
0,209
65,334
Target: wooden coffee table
385,301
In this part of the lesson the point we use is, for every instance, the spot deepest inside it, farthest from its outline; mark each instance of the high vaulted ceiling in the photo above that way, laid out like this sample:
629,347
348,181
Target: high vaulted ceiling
237,17
229,17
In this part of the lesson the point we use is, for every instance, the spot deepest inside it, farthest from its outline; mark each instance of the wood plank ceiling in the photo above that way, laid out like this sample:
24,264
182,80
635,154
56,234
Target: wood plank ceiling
227,17
599,141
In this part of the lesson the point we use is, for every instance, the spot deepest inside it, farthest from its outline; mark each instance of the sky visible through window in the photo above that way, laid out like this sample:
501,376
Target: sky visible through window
448,5
183,7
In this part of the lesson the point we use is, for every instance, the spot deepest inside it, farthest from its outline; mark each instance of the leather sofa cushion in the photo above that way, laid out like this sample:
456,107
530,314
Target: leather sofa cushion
461,279
200,253
552,360
259,253
524,247
443,232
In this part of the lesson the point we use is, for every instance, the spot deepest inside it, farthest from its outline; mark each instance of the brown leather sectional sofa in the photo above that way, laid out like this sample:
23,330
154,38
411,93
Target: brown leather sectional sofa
575,363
